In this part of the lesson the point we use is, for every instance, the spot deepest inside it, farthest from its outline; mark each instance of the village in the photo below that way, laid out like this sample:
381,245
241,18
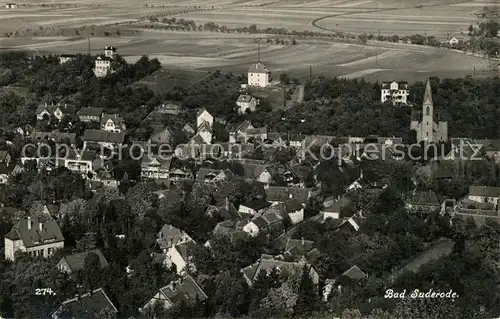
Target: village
256,184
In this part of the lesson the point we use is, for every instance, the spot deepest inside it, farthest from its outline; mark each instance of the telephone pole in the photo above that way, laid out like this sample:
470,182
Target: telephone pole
258,51
88,40
310,73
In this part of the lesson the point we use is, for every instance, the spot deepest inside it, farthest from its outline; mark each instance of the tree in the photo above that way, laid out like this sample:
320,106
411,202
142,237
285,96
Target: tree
351,314
278,303
471,29
284,78
91,273
307,300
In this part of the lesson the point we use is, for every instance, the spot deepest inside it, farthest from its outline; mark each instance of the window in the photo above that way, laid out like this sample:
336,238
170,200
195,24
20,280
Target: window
427,111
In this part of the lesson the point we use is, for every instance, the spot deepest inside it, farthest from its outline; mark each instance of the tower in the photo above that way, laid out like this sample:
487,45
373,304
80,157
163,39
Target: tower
427,114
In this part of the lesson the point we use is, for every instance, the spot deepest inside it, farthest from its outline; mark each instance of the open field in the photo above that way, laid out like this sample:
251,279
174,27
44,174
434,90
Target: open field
235,52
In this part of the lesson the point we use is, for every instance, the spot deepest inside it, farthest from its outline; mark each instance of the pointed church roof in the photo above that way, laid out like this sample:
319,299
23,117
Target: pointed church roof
428,93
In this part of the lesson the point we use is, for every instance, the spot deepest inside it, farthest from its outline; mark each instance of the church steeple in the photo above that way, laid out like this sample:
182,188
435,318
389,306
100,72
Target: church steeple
428,93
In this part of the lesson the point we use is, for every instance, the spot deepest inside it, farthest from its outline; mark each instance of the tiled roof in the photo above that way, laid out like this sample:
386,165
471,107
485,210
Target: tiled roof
88,305
55,136
156,161
77,261
252,171
186,250
244,126
484,191
257,68
116,118
293,205
355,273
186,289
283,194
257,204
103,136
50,233
425,198
90,111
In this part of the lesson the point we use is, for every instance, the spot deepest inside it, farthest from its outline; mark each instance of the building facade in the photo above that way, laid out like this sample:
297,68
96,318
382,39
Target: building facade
395,92
258,75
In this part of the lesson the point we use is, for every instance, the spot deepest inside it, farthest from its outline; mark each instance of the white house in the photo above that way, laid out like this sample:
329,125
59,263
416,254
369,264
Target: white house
80,162
294,210
181,255
112,123
258,75
10,5
397,92
246,103
203,116
453,41
102,66
37,238
63,58
44,111
170,236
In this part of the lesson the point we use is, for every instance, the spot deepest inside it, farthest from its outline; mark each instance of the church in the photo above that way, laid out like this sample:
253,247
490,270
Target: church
429,128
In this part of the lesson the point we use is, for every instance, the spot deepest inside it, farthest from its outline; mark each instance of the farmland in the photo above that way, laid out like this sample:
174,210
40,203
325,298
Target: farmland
205,51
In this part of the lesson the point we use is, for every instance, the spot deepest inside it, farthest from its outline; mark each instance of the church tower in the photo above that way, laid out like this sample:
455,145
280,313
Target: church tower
427,129
427,114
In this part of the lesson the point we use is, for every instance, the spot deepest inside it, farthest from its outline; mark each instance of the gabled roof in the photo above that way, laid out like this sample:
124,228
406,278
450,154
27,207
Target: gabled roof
77,261
244,126
283,194
200,112
267,263
186,250
169,232
50,233
90,111
4,155
156,161
205,126
185,289
257,204
109,48
55,136
293,205
117,119
355,273
81,156
197,139
88,305
252,171
484,191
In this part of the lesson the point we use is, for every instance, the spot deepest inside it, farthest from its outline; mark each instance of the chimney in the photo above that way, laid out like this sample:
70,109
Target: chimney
40,226
227,204
29,222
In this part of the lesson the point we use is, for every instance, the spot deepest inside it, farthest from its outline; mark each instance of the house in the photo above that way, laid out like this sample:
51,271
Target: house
258,75
229,229
429,128
169,108
170,236
491,149
110,52
112,123
180,174
93,304
278,194
203,116
424,201
102,66
480,213
269,221
90,114
207,175
267,263
10,5
254,172
246,103
184,290
484,194
155,167
76,262
227,211
81,162
106,179
105,139
35,237
355,273
204,131
333,210
254,207
181,255
47,111
395,92
63,58
294,210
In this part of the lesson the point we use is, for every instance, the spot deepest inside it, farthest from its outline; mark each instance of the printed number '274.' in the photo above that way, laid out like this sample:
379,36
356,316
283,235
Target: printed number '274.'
44,291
